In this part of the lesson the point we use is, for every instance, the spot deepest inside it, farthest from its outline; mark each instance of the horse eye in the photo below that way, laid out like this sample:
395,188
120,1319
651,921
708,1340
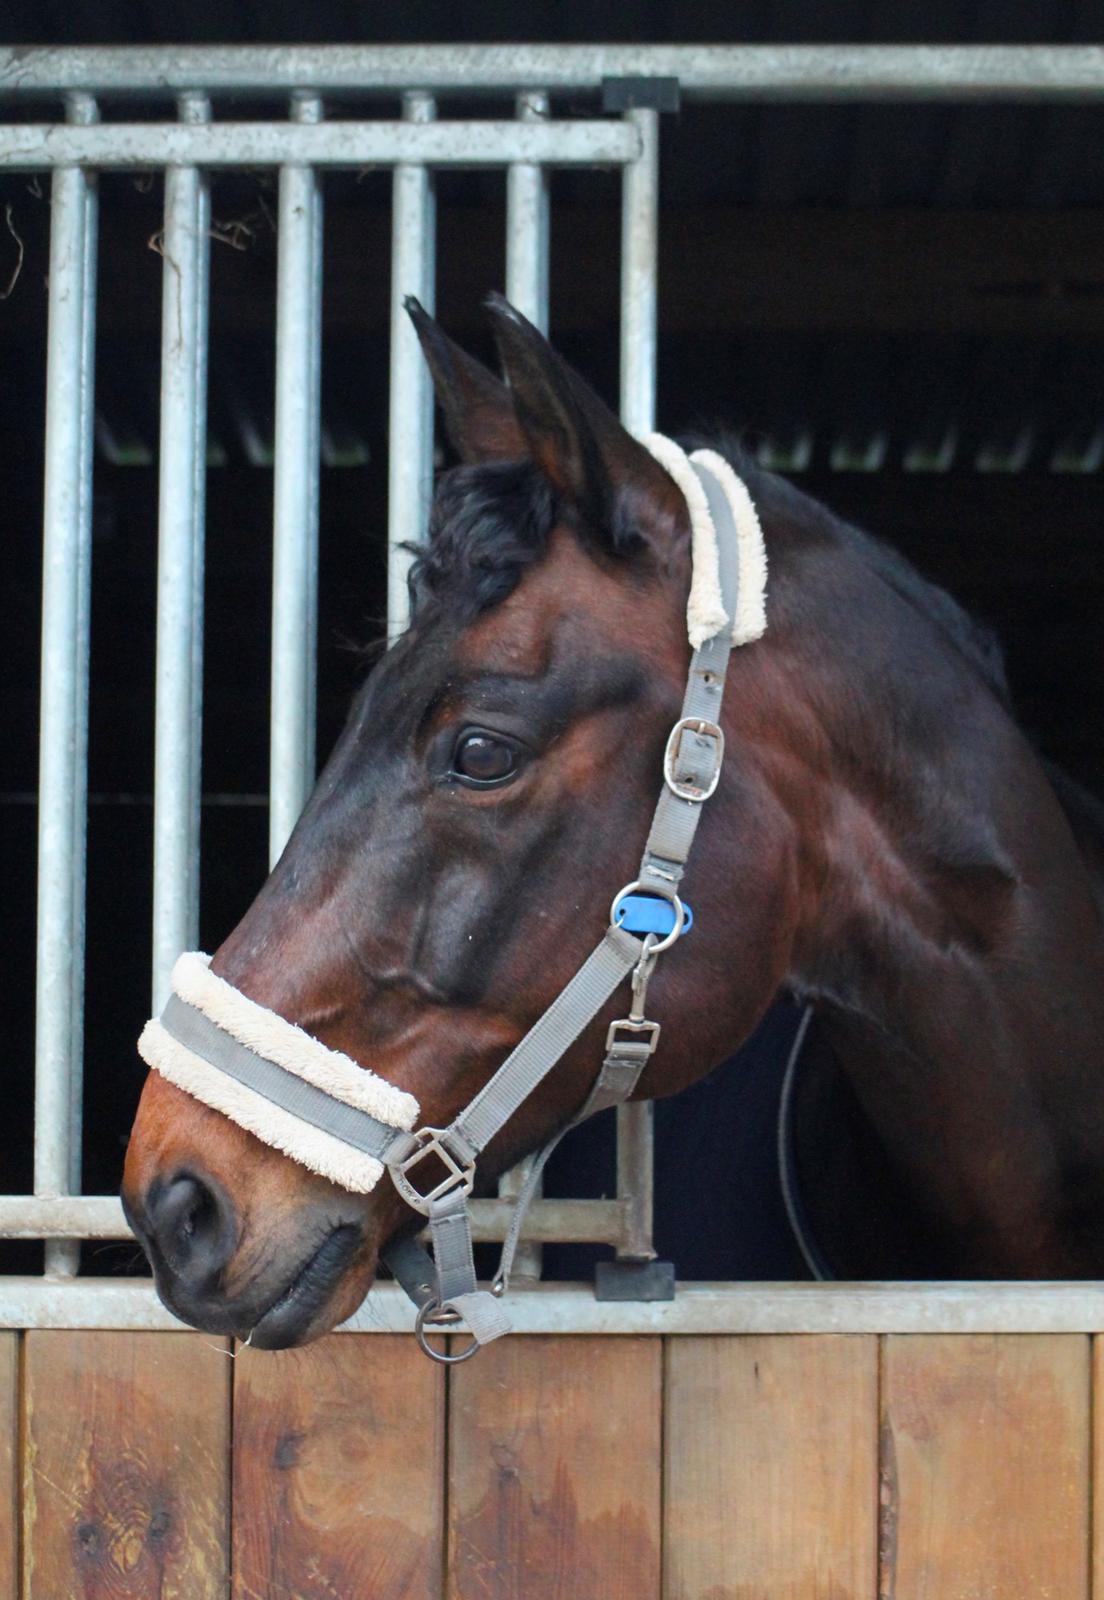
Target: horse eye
482,759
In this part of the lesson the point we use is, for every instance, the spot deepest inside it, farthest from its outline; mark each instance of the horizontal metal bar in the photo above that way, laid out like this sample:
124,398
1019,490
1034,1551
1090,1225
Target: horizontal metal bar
704,71
698,1308
551,1221
62,1216
326,144
101,1217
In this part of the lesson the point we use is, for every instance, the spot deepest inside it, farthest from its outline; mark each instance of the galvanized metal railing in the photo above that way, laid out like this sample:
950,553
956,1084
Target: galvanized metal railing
187,145
525,147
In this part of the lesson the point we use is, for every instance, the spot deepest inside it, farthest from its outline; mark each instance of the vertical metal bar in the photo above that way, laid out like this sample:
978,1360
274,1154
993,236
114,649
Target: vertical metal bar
179,671
639,257
410,444
527,289
527,224
635,1178
639,242
63,773
295,504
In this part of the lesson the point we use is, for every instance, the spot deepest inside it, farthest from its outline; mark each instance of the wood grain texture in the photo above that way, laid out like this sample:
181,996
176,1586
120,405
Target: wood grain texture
771,1468
339,1471
126,1466
985,1467
554,1471
9,1439
1097,1555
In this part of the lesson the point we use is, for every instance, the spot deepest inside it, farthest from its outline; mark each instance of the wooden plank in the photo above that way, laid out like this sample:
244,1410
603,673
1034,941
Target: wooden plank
9,1436
126,1466
339,1471
771,1468
554,1471
985,1467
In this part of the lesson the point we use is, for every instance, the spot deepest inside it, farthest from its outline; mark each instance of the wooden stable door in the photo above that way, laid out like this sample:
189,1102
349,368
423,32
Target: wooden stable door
788,1467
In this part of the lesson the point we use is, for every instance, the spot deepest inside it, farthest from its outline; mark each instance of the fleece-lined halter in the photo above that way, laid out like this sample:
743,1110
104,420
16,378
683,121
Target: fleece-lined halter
341,1120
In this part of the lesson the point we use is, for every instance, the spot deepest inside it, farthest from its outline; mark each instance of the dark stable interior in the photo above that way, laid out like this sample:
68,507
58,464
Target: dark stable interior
901,305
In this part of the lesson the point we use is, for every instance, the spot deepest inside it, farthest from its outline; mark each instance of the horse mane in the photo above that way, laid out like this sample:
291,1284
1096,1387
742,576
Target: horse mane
490,522
780,501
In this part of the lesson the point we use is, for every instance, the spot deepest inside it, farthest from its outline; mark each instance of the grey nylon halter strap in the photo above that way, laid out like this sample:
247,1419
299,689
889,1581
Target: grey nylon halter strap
197,1032
445,1288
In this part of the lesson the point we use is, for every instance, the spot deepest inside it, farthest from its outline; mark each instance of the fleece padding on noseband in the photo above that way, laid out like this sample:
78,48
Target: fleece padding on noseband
705,611
272,1039
272,1036
311,1147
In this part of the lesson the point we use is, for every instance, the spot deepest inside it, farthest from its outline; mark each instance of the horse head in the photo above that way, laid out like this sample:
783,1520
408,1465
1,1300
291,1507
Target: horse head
489,794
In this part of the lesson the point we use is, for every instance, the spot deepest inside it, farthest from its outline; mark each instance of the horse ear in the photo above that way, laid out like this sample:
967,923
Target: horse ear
614,483
479,414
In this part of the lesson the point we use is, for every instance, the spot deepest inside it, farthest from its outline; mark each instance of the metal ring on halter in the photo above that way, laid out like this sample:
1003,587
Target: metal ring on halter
437,1317
658,891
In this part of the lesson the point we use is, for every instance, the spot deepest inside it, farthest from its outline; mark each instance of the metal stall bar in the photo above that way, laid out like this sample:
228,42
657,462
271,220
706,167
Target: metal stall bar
719,72
700,1308
527,245
100,1216
527,224
639,258
333,144
639,247
295,516
63,759
185,247
410,430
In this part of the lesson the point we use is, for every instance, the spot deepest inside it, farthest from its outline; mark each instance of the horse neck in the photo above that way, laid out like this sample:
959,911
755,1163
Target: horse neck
947,906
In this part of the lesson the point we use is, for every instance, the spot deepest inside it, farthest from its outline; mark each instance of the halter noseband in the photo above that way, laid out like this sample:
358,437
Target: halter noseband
334,1116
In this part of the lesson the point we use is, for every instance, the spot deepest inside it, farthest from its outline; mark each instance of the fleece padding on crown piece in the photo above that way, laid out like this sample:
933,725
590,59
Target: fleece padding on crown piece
272,1036
705,611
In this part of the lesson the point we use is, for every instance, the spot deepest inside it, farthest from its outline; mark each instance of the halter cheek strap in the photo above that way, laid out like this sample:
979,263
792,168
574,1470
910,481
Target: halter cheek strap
339,1119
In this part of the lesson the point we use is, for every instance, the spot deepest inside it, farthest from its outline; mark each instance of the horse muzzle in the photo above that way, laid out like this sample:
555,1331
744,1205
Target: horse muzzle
189,1231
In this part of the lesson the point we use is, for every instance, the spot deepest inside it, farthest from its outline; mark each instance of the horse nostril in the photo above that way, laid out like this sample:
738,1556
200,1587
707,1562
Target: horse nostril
192,1224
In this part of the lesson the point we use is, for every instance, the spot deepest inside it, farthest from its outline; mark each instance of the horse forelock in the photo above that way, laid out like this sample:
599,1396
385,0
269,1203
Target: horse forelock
488,524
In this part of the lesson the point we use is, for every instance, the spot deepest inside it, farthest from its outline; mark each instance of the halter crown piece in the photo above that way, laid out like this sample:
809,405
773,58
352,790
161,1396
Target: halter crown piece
333,1115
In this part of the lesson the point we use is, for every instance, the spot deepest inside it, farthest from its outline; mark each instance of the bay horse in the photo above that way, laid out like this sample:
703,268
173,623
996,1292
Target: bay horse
885,845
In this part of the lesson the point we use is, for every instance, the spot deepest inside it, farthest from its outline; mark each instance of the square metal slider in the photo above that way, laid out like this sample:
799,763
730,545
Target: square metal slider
459,1175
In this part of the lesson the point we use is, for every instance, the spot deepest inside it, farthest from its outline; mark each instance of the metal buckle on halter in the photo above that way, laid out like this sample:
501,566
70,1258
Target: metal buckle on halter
633,1025
685,788
459,1174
